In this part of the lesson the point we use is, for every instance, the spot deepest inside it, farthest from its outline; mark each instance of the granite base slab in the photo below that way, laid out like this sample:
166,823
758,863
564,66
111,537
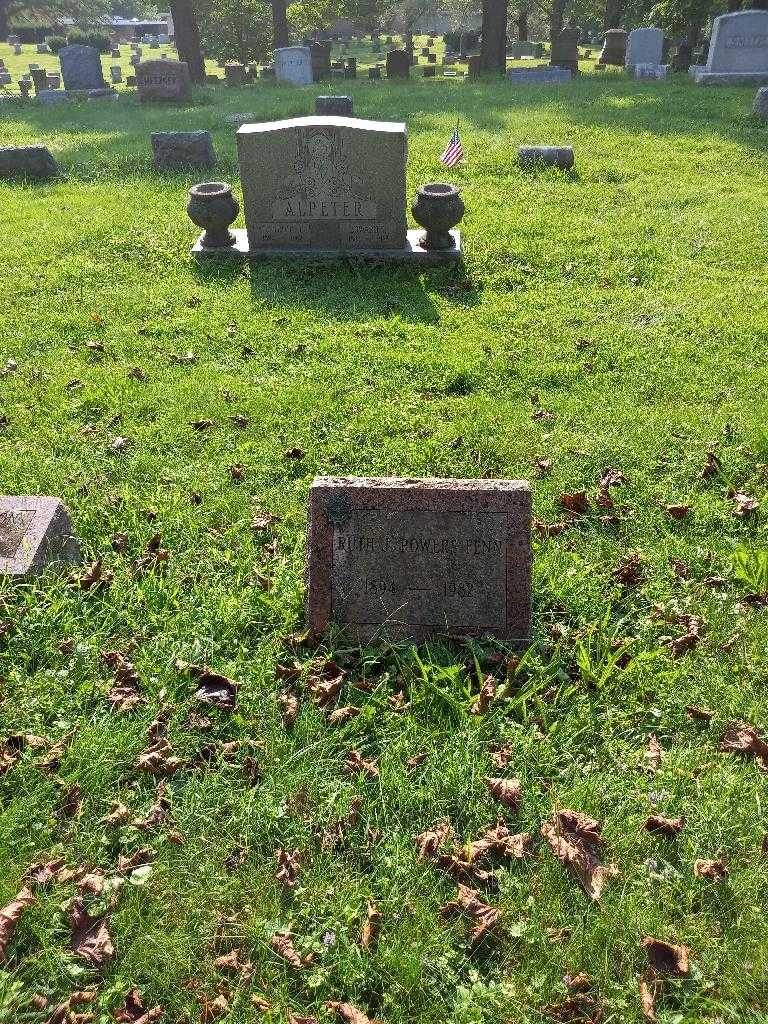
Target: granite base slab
413,253
731,77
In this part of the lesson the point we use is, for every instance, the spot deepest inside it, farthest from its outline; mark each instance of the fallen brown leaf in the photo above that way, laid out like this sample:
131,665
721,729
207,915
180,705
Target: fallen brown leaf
90,938
201,424
678,511
649,990
11,914
485,697
287,867
158,759
666,958
342,715
742,738
64,1013
574,839
348,1013
712,870
653,755
282,944
577,502
355,762
629,572
213,688
699,714
93,577
711,466
428,843
661,826
469,902
371,927
744,504
134,1010
508,792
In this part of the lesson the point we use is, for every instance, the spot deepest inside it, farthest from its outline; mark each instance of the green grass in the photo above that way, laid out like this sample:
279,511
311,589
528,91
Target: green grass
630,301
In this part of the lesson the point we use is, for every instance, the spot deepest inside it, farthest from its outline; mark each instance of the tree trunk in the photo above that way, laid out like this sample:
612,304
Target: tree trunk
556,19
614,12
408,41
187,35
279,24
4,26
493,46
522,26
734,5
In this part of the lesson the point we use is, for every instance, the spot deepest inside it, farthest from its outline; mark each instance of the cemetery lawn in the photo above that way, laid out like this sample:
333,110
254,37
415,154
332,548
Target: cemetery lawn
612,320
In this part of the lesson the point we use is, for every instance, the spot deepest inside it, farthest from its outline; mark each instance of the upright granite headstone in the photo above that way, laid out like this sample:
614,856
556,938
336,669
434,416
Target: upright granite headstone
39,79
320,57
81,68
410,559
738,50
327,183
234,74
294,64
175,151
614,47
565,50
34,532
163,80
398,64
644,46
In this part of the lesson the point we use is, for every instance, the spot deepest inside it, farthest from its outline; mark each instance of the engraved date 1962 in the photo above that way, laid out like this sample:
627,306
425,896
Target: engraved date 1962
447,588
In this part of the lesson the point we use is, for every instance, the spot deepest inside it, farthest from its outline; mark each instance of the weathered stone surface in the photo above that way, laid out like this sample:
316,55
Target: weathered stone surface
644,46
294,64
163,80
614,47
52,96
550,156
539,76
650,72
760,106
234,74
340,106
738,50
81,67
180,150
519,49
34,162
320,57
409,559
398,64
324,183
565,51
34,532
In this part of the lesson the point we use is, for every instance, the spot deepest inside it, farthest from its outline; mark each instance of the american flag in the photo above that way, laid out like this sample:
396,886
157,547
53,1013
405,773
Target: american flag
453,151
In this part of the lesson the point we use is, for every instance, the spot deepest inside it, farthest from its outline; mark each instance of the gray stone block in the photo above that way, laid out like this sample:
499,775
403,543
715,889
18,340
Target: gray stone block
548,156
52,96
34,532
35,162
760,106
339,106
180,150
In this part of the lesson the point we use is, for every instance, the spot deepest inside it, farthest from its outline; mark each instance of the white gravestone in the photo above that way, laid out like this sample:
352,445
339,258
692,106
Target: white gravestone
644,46
738,51
294,64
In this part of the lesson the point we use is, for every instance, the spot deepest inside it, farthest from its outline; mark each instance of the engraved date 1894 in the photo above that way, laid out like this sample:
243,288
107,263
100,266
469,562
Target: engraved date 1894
448,588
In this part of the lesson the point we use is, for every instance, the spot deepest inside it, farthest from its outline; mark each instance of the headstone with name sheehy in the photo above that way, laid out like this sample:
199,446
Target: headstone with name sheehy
738,50
401,559
163,80
34,532
81,68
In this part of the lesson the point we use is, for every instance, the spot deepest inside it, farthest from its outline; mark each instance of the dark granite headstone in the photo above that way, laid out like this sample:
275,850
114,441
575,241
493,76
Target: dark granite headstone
179,150
32,162
163,80
81,68
565,51
334,106
398,64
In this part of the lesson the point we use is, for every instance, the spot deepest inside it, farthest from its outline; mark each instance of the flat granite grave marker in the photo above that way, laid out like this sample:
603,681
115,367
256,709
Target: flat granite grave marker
34,531
33,162
738,50
81,68
163,80
409,559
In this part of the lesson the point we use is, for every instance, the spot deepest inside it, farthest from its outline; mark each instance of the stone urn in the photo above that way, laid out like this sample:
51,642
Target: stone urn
438,208
213,207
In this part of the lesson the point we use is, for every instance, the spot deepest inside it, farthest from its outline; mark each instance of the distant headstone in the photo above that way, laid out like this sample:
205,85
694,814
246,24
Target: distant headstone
350,67
543,75
683,57
17,50
614,47
81,67
130,81
399,559
760,106
398,64
42,48
644,46
181,150
25,87
163,80
548,156
320,58
5,79
50,97
431,58
294,64
116,74
39,79
374,73
334,106
34,533
520,49
430,71
651,72
234,74
565,51
738,50
53,80
116,53
14,40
